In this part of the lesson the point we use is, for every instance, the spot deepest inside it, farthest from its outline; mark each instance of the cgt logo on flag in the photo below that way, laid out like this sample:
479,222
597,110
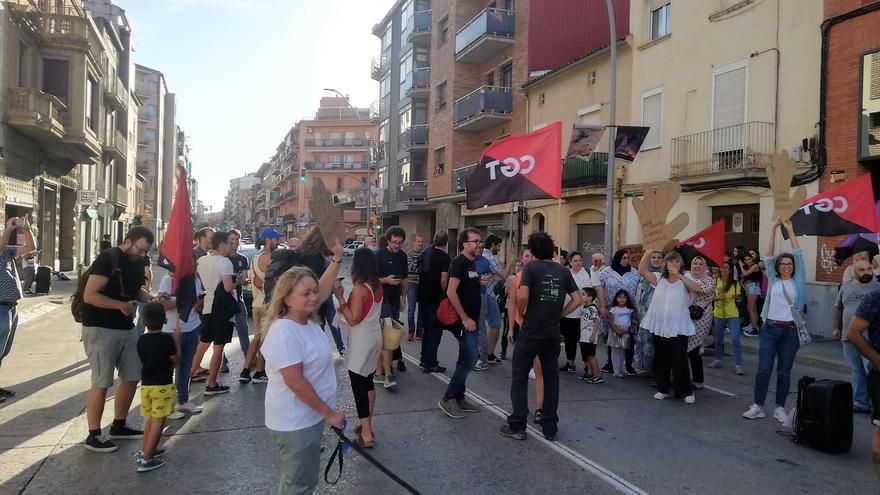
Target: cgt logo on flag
518,168
846,209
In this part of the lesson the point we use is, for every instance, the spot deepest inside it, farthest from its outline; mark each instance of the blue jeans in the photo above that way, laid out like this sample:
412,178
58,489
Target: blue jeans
467,358
735,337
413,319
432,335
241,328
337,334
859,376
777,344
8,325
189,341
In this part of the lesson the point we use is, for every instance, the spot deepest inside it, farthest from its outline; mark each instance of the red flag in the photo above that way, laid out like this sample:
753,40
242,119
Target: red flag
846,209
518,168
178,247
708,243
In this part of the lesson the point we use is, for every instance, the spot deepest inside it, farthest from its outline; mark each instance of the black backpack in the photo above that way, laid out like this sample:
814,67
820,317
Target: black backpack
77,304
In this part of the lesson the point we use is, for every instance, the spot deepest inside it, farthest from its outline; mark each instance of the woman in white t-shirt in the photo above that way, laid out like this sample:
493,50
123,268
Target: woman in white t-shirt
190,287
301,394
570,324
669,320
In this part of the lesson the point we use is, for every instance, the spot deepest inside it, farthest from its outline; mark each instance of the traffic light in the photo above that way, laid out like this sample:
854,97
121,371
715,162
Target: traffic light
302,178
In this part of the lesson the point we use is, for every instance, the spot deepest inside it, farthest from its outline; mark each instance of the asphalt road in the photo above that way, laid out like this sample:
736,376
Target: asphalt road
613,437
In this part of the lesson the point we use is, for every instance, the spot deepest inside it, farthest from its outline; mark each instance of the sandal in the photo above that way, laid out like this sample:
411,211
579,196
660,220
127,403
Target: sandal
364,444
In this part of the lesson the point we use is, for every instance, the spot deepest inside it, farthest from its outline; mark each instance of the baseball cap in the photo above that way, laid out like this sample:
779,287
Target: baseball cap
270,234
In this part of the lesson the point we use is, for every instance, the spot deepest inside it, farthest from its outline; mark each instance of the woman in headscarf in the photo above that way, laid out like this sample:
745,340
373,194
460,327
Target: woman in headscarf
620,275
704,297
644,350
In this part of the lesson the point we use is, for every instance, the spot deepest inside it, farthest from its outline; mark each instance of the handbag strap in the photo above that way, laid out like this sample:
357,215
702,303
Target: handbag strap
785,293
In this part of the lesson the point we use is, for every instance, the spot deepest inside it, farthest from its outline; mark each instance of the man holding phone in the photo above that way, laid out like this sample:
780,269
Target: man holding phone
10,287
393,271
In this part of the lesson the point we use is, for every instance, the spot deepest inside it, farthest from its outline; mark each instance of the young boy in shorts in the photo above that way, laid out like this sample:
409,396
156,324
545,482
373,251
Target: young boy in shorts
589,338
159,353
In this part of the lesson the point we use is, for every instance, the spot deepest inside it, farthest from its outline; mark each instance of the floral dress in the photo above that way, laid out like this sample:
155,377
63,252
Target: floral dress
704,299
643,358
613,282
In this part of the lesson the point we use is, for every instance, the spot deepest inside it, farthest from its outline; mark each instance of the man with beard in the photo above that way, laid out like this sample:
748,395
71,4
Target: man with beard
115,283
848,299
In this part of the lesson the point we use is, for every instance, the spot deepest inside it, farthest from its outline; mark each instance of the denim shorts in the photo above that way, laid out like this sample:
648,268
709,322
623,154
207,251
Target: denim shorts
753,288
490,312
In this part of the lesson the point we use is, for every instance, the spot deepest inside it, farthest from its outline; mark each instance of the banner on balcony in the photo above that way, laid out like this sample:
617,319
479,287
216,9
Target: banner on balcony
846,209
629,141
518,168
708,243
584,139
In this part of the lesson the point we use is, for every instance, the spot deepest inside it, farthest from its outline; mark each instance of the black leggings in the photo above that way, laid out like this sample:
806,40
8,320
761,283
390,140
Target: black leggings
570,328
696,361
361,386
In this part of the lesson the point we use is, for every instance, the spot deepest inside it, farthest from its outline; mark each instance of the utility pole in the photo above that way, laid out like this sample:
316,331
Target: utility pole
612,134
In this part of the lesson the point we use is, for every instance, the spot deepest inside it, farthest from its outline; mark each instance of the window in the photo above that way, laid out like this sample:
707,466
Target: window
660,11
490,78
507,75
729,83
383,132
440,161
150,110
405,119
92,104
591,115
406,68
150,134
385,86
869,120
441,95
443,30
55,78
386,45
22,64
335,159
405,13
652,116
405,174
339,183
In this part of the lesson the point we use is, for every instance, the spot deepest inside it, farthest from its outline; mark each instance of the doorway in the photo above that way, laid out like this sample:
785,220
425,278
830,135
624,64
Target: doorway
742,224
590,238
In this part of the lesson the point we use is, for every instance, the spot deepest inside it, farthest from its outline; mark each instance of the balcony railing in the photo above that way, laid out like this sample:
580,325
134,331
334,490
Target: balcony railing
482,108
116,144
419,81
459,179
374,111
419,24
378,65
337,166
486,35
36,113
121,195
337,143
577,172
416,190
414,137
735,148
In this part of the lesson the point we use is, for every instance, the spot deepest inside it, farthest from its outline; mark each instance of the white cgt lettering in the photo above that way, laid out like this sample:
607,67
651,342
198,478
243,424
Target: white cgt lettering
511,166
838,204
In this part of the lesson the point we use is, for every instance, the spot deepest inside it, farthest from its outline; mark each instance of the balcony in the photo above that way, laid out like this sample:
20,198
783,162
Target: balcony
374,112
121,195
338,143
36,114
485,36
116,145
336,166
419,82
419,27
115,94
416,137
482,109
741,150
378,66
578,173
416,190
459,179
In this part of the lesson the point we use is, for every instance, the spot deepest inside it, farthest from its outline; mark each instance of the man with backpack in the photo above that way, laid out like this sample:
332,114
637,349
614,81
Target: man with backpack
105,305
433,268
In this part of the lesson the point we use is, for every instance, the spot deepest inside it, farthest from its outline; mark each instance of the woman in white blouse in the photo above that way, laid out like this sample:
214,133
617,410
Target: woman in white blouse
301,394
570,324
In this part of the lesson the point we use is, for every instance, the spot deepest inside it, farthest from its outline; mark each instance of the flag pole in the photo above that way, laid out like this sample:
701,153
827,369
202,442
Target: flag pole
612,132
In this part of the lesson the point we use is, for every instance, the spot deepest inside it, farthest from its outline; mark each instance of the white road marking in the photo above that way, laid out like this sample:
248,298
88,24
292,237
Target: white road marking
722,392
582,461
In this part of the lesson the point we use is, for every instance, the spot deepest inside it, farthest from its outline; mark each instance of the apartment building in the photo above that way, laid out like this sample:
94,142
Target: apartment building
850,106
157,146
63,110
239,203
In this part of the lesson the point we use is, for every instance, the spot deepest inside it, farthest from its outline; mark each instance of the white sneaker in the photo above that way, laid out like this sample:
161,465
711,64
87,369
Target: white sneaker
780,414
690,399
739,371
190,408
176,415
661,396
714,364
481,366
389,383
755,412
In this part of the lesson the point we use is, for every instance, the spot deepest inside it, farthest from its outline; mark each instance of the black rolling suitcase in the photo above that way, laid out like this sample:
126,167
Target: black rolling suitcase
43,280
824,414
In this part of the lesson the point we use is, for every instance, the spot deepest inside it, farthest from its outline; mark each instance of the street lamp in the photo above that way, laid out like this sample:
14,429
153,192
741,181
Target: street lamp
357,116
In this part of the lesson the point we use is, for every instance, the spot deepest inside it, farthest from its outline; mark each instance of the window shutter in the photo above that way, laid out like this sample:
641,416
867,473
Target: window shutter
875,77
729,109
651,117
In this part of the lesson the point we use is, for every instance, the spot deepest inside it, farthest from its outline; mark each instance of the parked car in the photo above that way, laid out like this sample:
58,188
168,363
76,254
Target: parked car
247,294
349,249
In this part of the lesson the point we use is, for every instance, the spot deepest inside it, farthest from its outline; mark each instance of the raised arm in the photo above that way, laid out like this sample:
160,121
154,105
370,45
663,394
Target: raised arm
792,238
325,285
771,239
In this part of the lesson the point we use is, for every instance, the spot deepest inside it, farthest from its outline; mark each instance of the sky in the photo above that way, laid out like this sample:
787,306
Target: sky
245,71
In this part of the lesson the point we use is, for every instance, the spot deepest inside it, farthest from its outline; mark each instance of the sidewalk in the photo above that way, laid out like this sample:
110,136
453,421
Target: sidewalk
34,306
823,354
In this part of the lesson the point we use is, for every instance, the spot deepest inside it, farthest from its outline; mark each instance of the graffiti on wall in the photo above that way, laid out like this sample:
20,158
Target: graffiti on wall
826,259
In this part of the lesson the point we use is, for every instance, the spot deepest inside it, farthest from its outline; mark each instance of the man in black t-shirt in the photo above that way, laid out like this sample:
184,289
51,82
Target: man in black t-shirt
240,268
433,268
393,271
115,283
541,301
463,291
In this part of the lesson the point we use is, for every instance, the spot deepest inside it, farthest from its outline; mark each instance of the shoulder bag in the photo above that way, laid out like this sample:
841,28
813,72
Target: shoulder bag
803,334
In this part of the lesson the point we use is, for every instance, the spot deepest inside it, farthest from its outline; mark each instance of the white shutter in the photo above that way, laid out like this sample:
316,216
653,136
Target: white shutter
652,116
729,108
591,118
